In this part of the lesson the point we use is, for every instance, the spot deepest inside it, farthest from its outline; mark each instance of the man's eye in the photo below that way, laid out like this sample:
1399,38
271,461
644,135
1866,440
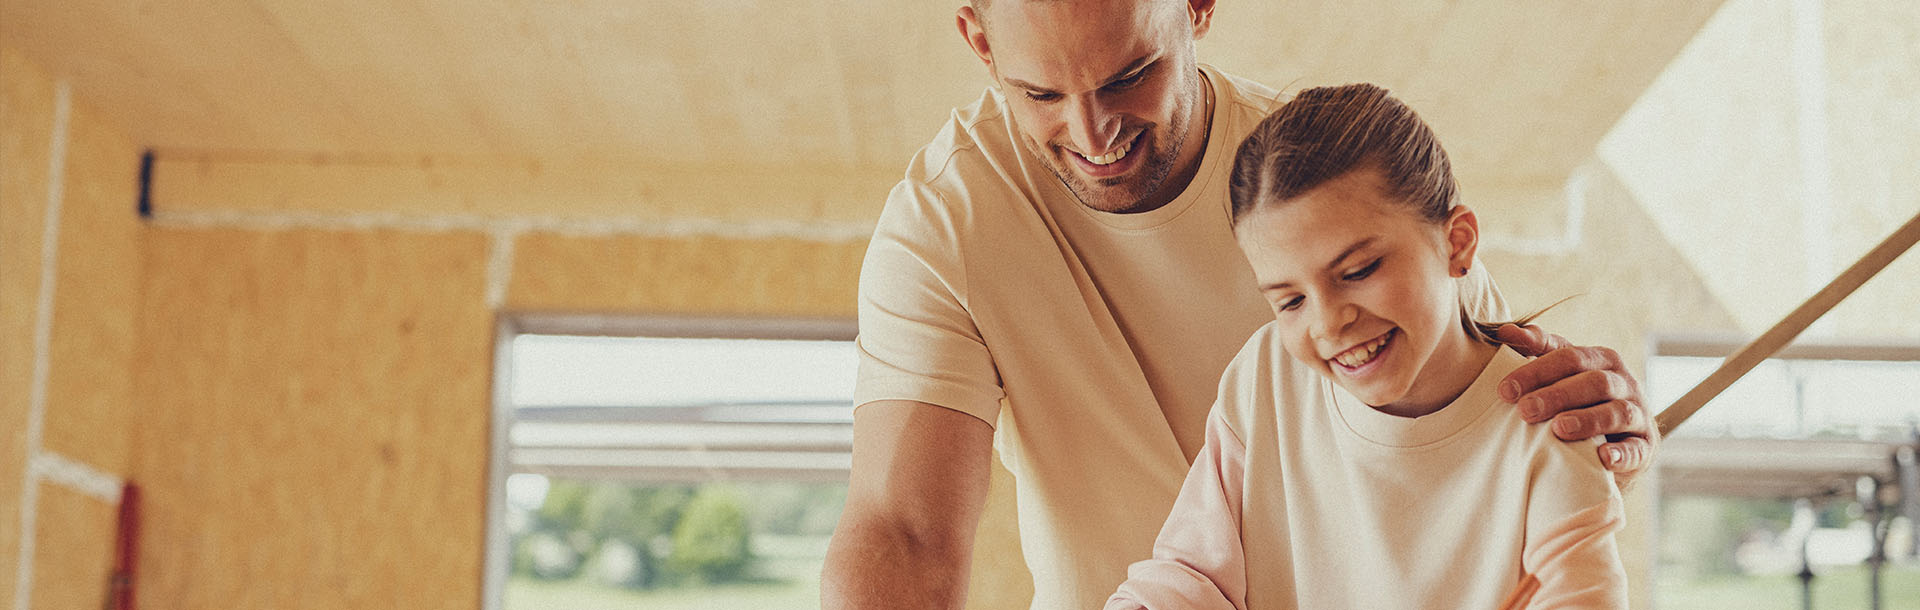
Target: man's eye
1363,272
1128,82
1042,97
1291,304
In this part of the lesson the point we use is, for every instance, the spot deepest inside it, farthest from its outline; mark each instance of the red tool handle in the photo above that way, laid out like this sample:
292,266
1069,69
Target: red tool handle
127,547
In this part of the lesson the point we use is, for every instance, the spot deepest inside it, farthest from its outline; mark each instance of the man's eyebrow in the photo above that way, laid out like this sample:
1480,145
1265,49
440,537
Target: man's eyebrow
1128,70
1356,247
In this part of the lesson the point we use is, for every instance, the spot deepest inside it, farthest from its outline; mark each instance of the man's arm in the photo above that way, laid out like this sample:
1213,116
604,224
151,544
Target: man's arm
1587,392
919,482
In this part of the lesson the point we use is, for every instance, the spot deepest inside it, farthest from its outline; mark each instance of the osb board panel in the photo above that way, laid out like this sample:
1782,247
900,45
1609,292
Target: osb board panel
578,189
26,131
699,275
73,549
90,384
314,408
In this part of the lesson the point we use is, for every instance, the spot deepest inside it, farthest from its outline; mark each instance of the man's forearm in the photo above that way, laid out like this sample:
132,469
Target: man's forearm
881,567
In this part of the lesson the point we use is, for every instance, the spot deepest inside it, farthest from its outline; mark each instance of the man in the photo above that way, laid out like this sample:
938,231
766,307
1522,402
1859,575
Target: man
1056,275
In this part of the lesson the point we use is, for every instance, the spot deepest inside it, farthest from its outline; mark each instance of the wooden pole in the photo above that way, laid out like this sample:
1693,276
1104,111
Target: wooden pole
1791,326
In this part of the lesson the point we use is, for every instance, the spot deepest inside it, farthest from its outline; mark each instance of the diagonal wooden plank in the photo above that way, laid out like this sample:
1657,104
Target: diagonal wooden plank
1791,326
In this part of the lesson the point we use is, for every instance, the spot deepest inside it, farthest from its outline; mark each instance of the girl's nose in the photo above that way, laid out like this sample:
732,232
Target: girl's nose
1334,318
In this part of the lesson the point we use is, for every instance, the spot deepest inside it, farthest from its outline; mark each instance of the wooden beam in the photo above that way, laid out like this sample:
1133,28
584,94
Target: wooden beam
575,189
1791,326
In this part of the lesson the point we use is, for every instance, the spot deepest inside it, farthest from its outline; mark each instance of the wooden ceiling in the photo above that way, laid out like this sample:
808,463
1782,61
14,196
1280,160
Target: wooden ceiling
1521,90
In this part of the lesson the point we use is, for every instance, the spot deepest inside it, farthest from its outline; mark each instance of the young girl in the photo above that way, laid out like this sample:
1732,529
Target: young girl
1394,478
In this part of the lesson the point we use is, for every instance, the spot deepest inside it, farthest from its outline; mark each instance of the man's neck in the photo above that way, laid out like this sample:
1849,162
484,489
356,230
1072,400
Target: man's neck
1194,149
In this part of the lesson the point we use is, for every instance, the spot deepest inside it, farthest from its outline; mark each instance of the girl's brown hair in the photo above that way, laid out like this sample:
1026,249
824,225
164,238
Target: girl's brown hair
1324,133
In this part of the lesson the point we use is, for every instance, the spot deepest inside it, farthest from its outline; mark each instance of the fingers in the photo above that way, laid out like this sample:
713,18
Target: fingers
1582,390
1614,417
1560,364
1626,458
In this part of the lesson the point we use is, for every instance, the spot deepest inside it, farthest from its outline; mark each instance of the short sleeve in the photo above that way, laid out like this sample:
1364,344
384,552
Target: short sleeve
917,339
1574,510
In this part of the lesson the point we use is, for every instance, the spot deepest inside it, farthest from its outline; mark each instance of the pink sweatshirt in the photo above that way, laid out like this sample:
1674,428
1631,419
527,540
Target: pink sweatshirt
1304,497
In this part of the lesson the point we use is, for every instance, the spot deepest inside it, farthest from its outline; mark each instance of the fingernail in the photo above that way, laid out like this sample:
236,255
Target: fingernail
1530,409
1613,455
1509,391
1564,428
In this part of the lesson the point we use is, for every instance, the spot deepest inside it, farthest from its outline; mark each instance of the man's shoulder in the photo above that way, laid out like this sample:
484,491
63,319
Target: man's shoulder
970,172
976,139
1243,95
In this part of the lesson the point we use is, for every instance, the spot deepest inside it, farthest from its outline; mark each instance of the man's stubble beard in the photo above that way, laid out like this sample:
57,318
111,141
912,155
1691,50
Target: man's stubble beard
1159,165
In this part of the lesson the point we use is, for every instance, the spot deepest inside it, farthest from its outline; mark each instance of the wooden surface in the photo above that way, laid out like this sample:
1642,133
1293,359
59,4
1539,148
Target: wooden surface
704,275
26,129
491,187
90,398
1791,326
759,82
73,553
313,422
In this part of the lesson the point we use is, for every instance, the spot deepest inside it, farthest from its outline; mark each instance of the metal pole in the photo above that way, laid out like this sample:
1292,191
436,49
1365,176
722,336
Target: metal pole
1868,490
1803,514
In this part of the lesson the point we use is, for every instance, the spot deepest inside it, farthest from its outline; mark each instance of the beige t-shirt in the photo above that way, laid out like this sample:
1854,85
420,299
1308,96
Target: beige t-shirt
1305,497
1092,341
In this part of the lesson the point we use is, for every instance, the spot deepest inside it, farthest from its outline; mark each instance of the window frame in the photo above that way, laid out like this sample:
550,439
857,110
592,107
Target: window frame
508,326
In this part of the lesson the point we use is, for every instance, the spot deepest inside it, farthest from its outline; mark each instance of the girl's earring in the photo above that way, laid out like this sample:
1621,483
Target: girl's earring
1461,273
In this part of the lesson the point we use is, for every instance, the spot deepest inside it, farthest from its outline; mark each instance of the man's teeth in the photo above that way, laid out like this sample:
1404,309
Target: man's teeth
1363,353
1110,157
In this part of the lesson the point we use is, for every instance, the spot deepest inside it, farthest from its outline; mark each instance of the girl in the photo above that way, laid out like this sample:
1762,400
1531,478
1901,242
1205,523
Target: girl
1388,480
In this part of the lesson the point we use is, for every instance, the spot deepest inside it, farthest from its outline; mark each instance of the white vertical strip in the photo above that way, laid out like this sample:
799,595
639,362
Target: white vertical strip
493,581
1816,165
500,265
42,340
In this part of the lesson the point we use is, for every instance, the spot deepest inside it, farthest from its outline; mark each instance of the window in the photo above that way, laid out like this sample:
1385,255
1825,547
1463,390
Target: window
667,463
1789,483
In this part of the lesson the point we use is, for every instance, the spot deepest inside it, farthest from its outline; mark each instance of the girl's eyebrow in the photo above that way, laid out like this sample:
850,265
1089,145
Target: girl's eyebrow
1356,247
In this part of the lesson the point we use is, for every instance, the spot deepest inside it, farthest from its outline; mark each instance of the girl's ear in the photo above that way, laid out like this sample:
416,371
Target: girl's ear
1463,240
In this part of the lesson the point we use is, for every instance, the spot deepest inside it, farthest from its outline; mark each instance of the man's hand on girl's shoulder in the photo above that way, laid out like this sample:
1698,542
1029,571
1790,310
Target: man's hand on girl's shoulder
1587,392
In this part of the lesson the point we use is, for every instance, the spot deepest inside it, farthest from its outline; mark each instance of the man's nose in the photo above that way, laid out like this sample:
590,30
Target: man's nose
1090,126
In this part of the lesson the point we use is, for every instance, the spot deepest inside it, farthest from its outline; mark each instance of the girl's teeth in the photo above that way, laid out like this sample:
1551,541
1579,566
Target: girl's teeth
1361,354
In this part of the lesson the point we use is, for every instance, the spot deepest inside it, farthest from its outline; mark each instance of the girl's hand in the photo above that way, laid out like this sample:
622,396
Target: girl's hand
1587,392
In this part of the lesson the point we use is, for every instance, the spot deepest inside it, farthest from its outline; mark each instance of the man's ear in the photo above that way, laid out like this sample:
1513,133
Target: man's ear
1200,12
1463,238
973,29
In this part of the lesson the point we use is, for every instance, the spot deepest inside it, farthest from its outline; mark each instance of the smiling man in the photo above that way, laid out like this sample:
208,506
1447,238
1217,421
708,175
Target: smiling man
1056,276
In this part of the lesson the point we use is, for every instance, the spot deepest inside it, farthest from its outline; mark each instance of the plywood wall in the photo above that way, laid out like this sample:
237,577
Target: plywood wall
26,128
90,385
73,550
706,275
58,154
314,430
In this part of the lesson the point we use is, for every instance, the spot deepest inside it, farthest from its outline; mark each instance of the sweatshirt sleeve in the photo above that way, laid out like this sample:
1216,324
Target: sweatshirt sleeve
1198,563
1574,510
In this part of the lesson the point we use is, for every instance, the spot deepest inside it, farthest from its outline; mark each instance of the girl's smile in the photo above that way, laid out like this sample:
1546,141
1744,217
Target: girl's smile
1360,360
